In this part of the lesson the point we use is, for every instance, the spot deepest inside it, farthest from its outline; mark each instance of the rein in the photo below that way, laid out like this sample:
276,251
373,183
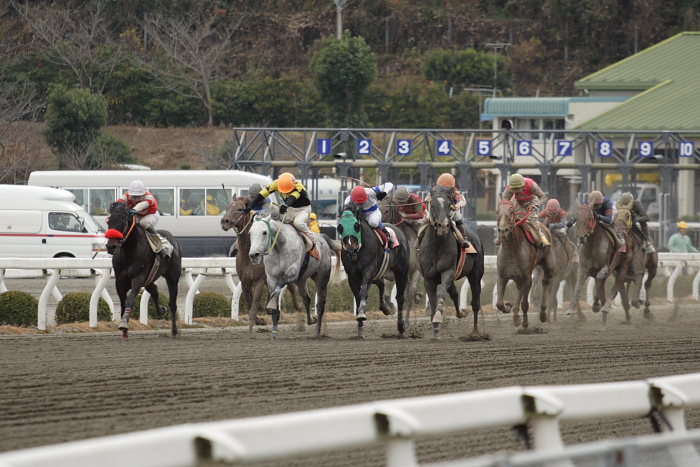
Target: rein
246,226
269,230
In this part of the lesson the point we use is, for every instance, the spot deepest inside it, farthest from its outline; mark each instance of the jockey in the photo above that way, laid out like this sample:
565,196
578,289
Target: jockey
458,202
554,217
602,208
409,205
253,191
296,204
144,207
639,219
528,196
313,223
366,200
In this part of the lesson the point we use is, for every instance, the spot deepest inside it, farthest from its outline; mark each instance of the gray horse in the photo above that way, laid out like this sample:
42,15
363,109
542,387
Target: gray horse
391,215
596,252
439,255
516,260
283,252
252,276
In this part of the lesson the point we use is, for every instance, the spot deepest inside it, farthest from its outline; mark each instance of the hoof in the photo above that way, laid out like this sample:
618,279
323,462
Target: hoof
516,320
461,313
595,308
125,334
437,317
274,334
124,326
362,316
260,321
543,316
580,316
311,320
386,310
162,311
269,311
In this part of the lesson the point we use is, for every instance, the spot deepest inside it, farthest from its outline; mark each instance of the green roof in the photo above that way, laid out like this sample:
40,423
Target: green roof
666,73
535,107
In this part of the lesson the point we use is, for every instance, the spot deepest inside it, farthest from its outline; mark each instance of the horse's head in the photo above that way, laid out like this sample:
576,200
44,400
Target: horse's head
261,237
234,215
119,225
504,220
350,231
623,219
389,212
440,201
585,221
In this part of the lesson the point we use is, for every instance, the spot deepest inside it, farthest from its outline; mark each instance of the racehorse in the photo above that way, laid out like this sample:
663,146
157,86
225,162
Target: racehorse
391,215
564,270
596,252
283,252
517,258
439,258
134,264
252,276
632,270
365,261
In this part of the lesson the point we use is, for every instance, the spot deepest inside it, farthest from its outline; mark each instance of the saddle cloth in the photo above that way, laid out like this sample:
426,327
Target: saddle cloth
611,235
460,238
157,242
383,239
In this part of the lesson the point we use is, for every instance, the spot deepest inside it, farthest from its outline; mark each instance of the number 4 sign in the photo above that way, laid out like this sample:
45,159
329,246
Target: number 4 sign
444,147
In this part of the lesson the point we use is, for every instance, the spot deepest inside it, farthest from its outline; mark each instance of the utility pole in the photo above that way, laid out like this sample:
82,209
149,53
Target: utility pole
339,5
496,46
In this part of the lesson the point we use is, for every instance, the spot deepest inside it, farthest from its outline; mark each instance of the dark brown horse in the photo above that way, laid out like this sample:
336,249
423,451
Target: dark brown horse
252,276
391,215
596,252
517,258
565,270
631,271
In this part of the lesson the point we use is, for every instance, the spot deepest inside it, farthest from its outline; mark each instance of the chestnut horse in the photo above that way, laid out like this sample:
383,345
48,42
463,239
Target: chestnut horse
517,258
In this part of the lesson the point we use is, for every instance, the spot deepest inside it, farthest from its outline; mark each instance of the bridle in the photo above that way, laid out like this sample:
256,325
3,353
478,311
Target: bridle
123,234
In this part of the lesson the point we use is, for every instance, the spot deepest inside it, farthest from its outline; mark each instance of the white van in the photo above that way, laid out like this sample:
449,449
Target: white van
39,222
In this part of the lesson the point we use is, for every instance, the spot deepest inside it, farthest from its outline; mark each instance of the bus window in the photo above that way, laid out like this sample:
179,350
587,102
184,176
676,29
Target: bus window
192,202
81,196
217,201
100,199
166,200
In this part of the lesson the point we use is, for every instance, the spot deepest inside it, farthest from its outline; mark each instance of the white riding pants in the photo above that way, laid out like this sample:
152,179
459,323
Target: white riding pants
149,220
374,218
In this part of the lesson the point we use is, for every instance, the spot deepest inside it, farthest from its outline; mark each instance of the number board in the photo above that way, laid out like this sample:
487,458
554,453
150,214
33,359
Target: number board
404,147
364,147
605,148
646,148
444,147
484,147
324,147
686,149
524,147
565,147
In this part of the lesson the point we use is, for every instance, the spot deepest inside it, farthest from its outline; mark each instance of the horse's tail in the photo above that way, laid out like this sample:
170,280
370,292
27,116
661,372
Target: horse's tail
336,247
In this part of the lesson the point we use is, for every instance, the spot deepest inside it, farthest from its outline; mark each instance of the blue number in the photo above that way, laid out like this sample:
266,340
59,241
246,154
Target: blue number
605,148
524,147
364,146
564,147
323,146
403,146
483,147
646,148
686,149
444,147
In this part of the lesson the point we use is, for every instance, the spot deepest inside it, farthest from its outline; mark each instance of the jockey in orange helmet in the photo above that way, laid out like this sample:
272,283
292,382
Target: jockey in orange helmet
366,200
295,209
458,202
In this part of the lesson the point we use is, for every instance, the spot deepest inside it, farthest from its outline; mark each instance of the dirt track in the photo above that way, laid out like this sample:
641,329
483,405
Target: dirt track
63,387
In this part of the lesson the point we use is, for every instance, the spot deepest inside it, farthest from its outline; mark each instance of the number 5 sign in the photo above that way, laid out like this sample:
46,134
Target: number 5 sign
484,147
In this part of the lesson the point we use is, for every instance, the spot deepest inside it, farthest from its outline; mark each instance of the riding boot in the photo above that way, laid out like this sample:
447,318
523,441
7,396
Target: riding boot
465,238
543,238
389,237
161,253
309,240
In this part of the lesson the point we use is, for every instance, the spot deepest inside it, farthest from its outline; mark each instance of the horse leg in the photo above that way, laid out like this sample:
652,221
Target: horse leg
292,288
625,296
306,299
155,298
129,306
501,289
321,293
454,295
524,299
255,295
172,281
273,306
355,287
575,299
384,300
431,289
401,286
600,296
475,286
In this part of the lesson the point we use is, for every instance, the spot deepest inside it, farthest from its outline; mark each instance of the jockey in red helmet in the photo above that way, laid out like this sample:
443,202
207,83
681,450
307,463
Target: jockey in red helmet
366,200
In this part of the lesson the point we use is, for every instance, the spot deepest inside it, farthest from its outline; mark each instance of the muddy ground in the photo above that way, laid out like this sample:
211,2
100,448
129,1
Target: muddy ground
61,387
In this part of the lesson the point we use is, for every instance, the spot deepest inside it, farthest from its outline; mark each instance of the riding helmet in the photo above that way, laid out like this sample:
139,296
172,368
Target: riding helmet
516,181
359,195
402,195
552,205
446,179
626,200
596,197
137,188
286,182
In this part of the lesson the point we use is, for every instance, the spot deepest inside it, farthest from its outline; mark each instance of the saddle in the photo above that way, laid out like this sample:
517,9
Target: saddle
610,230
532,232
385,241
158,242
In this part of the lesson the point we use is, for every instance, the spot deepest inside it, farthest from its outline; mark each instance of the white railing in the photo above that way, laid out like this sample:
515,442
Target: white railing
394,423
196,270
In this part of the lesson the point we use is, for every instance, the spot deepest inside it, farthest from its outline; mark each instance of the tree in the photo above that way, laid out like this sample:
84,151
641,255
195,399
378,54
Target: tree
343,70
191,50
464,68
73,121
79,40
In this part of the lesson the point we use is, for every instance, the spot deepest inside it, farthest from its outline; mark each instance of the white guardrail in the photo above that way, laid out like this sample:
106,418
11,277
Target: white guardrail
397,423
670,264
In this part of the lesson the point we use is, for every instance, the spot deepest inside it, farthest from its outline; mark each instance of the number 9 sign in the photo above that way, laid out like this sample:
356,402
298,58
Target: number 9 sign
646,148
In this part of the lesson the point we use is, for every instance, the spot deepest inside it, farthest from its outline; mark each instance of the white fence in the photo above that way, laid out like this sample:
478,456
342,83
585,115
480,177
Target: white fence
196,270
396,424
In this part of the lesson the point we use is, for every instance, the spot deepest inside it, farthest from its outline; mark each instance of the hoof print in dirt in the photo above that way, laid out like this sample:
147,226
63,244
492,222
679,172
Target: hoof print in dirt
475,338
531,331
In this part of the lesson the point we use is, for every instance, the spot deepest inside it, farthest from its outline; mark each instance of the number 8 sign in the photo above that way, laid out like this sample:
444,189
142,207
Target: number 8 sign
605,148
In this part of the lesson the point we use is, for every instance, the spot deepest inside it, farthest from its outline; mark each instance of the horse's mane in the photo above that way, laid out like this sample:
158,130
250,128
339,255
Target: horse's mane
118,207
440,191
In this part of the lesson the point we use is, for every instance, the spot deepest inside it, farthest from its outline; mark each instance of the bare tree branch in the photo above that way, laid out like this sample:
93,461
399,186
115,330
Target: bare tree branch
192,47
